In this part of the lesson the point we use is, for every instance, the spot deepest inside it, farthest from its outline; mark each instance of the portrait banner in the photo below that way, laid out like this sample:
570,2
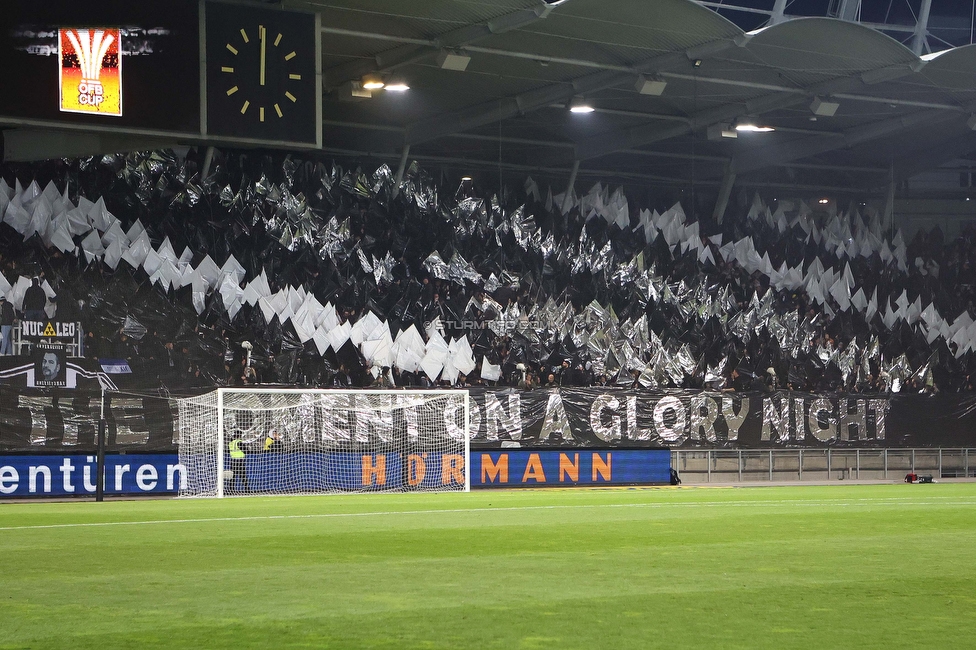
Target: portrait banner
50,369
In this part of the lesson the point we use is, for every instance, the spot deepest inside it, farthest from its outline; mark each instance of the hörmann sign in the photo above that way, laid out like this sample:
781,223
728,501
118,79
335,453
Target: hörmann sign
549,467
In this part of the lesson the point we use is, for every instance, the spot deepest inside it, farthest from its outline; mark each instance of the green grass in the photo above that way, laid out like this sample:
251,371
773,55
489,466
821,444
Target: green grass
778,567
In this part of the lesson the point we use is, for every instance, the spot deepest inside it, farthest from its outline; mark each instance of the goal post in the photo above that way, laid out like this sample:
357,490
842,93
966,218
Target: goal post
235,441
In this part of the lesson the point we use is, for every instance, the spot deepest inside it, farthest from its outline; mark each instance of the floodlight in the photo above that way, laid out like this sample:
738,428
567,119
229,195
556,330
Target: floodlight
580,105
372,82
752,125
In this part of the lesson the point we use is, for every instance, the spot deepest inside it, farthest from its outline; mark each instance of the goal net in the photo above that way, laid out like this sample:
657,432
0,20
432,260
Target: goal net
306,441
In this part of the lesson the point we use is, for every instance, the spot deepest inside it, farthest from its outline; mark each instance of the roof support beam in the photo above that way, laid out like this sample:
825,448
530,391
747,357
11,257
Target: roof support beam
724,192
207,161
606,143
412,53
779,9
804,148
888,27
931,156
509,107
921,27
871,77
888,213
401,168
602,174
722,5
636,136
848,10
568,201
27,145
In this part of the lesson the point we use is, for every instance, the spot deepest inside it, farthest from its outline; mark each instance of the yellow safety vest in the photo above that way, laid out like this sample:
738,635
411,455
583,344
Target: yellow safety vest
235,449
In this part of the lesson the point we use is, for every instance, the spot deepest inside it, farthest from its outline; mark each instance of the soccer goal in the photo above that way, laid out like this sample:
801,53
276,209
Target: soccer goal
307,441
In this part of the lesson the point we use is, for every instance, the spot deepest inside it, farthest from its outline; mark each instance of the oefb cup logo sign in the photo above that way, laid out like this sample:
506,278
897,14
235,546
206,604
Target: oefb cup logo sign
90,66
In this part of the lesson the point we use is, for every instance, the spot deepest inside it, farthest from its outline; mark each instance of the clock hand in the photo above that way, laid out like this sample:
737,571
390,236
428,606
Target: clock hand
263,48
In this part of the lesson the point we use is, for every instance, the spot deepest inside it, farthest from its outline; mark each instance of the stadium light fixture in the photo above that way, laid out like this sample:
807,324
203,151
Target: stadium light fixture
352,91
466,189
372,82
753,128
752,125
823,201
397,85
580,105
719,131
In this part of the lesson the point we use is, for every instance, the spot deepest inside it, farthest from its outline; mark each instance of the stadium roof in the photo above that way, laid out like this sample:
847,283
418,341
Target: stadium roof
897,113
858,99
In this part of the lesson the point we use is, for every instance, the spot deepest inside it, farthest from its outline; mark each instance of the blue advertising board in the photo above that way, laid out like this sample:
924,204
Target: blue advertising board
73,475
319,471
553,467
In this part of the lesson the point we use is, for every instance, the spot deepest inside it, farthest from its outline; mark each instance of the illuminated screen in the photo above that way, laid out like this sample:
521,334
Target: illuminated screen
154,45
90,71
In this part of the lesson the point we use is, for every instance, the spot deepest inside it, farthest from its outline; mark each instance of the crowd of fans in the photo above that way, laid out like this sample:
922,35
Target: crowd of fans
585,301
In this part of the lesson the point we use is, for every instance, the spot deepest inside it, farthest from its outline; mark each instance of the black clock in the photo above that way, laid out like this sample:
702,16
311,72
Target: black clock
260,73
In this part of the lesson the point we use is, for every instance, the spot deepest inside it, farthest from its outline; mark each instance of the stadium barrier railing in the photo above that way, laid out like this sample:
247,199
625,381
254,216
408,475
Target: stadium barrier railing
792,465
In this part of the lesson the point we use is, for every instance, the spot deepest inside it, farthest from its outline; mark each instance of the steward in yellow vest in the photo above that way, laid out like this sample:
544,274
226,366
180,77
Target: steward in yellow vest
238,464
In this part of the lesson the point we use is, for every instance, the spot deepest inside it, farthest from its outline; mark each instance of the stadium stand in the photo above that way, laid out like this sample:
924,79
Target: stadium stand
335,279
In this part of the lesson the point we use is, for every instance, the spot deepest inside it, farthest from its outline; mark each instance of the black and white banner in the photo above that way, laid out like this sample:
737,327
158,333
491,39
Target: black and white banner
52,421
589,417
66,421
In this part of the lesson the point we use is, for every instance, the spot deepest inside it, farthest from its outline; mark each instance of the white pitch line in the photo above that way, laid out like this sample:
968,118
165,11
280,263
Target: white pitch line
894,501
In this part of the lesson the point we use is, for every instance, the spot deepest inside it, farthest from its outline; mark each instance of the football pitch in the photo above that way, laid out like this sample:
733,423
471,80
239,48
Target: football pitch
775,567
